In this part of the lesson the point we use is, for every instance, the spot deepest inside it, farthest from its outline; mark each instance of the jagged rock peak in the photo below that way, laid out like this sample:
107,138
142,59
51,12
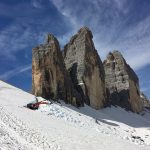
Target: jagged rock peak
85,30
85,67
50,38
115,54
122,83
117,57
50,78
85,36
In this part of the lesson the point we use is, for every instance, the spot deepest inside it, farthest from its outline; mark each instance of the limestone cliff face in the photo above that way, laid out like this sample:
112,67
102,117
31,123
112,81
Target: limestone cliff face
122,83
85,68
78,76
49,75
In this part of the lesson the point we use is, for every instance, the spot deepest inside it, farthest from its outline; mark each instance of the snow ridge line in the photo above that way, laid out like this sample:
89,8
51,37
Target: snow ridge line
30,135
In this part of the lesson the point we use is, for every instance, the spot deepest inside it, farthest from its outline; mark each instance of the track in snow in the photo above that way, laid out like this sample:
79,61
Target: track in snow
15,134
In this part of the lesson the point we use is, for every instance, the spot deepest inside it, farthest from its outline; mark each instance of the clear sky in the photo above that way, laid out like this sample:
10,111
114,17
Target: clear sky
122,25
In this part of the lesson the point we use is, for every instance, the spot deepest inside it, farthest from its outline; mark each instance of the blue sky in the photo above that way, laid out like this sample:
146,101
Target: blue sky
122,25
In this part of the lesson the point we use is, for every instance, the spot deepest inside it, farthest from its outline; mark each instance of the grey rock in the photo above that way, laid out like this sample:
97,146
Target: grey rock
145,100
122,84
85,68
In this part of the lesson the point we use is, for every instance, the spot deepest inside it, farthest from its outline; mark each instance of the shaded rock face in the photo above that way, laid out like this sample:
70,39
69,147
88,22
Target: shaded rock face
85,68
122,84
49,75
145,100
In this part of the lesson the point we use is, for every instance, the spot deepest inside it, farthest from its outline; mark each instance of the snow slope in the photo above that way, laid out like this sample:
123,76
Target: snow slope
63,127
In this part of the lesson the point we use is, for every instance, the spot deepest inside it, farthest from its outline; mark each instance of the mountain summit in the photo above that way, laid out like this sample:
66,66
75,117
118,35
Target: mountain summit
77,74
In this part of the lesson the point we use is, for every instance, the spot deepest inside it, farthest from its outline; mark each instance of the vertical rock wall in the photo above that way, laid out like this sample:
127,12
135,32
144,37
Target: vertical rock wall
78,76
49,75
85,67
122,84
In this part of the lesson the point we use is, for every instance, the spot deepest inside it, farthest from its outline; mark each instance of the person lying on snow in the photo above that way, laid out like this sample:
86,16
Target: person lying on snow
35,105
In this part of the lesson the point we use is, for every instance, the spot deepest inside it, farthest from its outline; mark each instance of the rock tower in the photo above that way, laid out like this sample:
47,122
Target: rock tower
49,75
85,68
122,84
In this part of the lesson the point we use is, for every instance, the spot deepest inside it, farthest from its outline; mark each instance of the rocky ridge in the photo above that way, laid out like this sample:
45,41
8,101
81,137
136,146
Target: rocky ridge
77,74
49,76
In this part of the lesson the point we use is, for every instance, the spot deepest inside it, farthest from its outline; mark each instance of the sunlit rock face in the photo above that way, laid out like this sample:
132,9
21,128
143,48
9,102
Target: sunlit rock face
85,68
122,84
49,75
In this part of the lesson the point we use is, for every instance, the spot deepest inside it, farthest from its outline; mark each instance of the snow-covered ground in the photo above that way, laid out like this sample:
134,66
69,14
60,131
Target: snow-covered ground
63,127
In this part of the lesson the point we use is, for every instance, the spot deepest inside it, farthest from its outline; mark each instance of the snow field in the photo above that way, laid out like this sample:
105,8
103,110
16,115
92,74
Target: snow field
63,127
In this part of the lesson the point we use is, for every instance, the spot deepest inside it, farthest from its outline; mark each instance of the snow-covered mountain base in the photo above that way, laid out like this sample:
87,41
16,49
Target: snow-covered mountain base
59,126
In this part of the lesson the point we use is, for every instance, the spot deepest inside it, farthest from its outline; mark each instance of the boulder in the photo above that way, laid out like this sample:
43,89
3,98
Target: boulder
85,67
49,75
122,84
